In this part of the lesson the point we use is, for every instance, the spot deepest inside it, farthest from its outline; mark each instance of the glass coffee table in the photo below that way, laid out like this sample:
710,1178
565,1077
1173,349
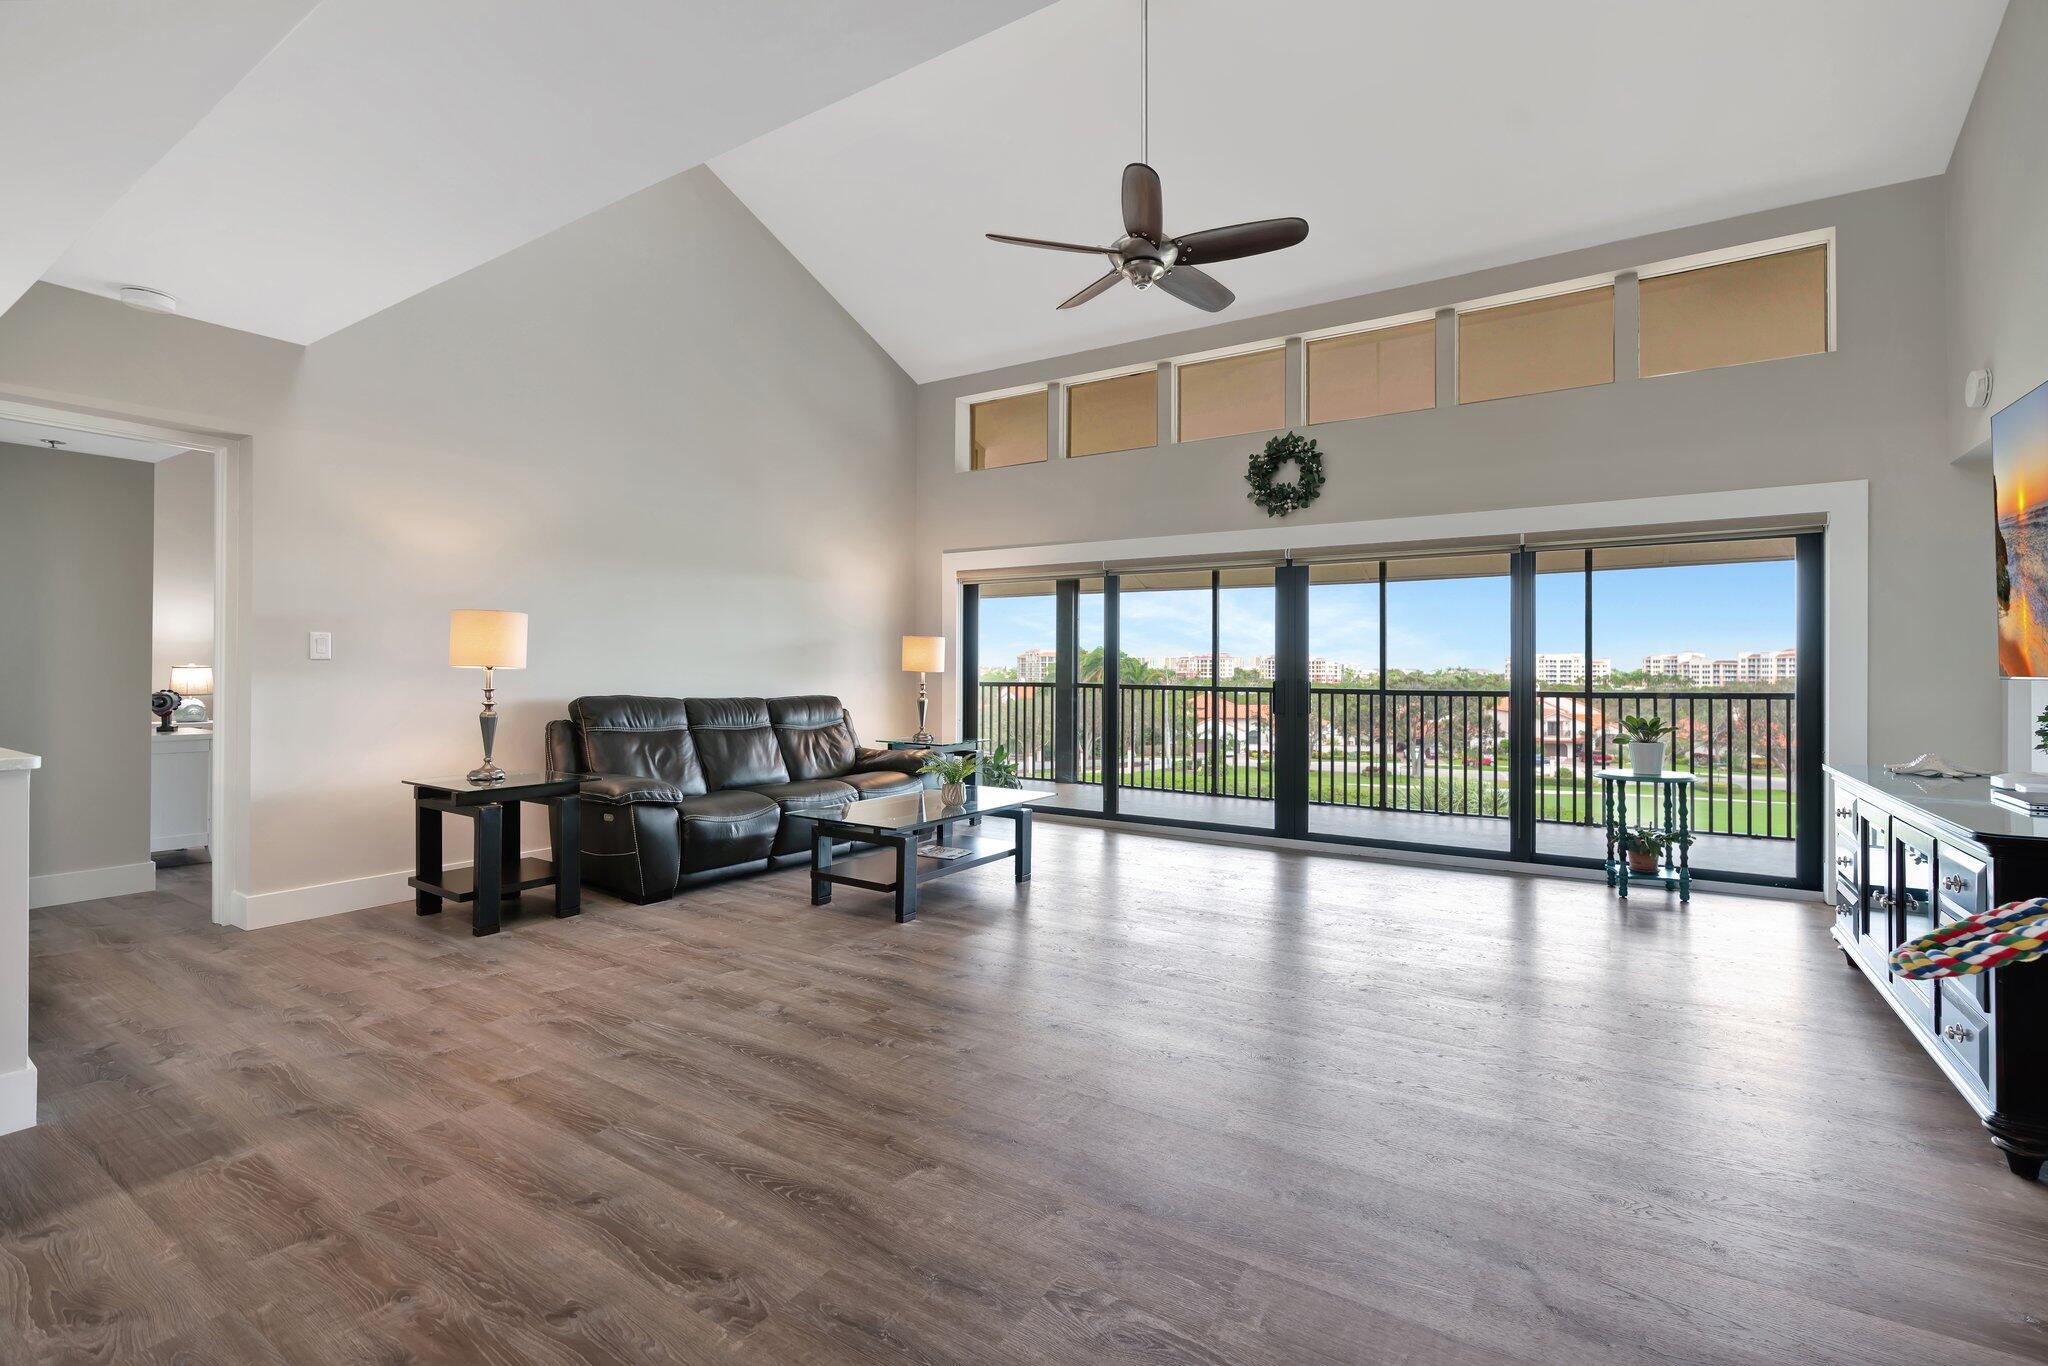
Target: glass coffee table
898,827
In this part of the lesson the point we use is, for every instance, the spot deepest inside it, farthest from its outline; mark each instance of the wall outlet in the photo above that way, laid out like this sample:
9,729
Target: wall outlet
320,645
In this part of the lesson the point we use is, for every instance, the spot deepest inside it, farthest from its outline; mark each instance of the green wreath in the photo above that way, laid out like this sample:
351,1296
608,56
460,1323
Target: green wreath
1280,499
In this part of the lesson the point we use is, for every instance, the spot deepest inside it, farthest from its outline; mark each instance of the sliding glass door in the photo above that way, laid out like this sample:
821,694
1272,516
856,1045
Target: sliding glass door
1410,708
1460,702
1703,636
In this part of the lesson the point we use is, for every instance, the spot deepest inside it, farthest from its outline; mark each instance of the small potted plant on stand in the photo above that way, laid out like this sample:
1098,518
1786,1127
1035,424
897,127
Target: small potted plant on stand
952,771
1646,849
1645,743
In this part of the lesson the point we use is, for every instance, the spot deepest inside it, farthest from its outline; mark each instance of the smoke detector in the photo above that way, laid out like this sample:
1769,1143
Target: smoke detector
148,300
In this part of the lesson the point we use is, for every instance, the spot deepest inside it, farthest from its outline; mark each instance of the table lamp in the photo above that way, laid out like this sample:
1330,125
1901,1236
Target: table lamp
479,639
923,655
186,681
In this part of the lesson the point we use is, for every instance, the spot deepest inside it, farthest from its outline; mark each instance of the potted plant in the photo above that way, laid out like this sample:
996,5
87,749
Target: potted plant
999,767
1645,743
1646,848
952,771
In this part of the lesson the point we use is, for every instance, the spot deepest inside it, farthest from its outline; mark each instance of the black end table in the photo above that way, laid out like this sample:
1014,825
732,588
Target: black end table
498,873
899,825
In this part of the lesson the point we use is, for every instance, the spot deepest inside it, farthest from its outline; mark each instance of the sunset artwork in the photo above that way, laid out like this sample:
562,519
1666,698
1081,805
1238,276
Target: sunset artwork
2019,492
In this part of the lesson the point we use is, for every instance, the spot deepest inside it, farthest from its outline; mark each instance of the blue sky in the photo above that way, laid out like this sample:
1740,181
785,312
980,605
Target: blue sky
1720,609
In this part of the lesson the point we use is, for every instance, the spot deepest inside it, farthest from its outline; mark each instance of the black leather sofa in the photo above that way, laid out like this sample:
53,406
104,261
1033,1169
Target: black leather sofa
701,787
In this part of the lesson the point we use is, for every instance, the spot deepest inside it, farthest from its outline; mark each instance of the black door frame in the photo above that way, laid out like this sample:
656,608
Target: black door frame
1292,708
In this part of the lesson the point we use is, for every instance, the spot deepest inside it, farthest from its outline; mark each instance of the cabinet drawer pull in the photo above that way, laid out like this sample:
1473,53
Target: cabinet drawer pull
1954,882
1841,813
1844,861
1956,1033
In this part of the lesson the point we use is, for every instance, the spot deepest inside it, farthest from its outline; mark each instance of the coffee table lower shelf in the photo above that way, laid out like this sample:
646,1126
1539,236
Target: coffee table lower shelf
896,864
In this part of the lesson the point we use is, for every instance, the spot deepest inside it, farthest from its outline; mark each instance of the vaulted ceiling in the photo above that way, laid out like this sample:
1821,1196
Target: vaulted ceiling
1419,140
289,168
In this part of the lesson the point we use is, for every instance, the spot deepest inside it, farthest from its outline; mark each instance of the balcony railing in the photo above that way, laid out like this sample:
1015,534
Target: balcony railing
1429,751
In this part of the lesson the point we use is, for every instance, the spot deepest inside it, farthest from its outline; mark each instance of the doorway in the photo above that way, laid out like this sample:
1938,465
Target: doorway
206,755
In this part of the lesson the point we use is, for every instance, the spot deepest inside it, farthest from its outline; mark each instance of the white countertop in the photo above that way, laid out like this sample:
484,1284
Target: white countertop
11,759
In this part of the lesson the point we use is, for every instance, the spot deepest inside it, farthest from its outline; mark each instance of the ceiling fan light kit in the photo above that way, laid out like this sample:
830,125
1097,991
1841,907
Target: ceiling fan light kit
1145,256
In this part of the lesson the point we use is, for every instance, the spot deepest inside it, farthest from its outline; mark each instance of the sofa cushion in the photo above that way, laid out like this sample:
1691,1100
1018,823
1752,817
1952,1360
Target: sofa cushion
816,736
882,783
809,797
725,828
735,741
801,804
642,737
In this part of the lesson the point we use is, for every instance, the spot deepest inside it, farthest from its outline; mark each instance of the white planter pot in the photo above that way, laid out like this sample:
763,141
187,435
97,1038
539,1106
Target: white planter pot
1646,757
953,794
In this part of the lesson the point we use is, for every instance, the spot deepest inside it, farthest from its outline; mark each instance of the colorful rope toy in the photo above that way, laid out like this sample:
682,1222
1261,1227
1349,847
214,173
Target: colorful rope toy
2016,932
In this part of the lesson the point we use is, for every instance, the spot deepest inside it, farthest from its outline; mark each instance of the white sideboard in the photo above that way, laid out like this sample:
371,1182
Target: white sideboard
180,789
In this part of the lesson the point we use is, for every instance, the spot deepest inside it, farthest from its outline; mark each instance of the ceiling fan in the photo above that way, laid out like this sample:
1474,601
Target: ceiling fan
1145,255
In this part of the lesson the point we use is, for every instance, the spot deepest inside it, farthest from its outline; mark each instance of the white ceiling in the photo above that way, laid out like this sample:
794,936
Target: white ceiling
15,432
93,93
1419,140
387,145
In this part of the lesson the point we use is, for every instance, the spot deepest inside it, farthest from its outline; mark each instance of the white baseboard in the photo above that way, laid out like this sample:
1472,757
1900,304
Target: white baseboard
90,884
261,910
18,1099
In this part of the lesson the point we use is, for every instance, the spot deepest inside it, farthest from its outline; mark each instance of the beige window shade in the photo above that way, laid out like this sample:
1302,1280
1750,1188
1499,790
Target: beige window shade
1345,571
1371,374
1007,431
1233,395
1565,341
1120,414
1765,308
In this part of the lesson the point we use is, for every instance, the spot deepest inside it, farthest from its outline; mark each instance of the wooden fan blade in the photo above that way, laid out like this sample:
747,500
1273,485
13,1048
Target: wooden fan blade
1144,211
1094,289
1191,286
1241,239
1049,246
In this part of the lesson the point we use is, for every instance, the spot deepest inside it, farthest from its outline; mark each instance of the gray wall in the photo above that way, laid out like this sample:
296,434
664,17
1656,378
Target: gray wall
182,622
651,430
1997,212
74,651
1870,410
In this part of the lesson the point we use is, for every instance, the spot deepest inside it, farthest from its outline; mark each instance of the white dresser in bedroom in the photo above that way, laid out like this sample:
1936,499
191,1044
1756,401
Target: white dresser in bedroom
180,789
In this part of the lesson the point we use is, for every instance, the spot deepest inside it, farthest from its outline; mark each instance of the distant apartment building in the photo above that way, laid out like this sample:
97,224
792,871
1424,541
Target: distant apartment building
1198,667
1752,666
1560,669
1768,666
1038,666
1690,665
1322,672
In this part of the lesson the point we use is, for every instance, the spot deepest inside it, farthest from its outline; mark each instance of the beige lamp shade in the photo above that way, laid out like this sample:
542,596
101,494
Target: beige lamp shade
924,654
192,680
479,639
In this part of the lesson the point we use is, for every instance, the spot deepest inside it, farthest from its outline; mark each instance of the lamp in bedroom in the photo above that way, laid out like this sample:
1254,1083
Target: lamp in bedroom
487,640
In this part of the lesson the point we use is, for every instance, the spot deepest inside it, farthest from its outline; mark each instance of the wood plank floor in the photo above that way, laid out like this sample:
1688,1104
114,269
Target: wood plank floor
1172,1102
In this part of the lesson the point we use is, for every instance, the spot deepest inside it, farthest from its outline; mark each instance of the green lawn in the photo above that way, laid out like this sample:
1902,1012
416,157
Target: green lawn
1737,808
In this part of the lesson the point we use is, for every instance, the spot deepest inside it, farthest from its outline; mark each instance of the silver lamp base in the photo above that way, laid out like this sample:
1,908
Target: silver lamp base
921,735
487,773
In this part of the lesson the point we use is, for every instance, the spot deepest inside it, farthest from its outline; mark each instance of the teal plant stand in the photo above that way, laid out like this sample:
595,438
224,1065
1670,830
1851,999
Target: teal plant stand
1671,805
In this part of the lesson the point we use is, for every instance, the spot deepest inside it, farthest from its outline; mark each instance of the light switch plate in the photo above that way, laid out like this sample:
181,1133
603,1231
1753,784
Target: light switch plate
320,645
